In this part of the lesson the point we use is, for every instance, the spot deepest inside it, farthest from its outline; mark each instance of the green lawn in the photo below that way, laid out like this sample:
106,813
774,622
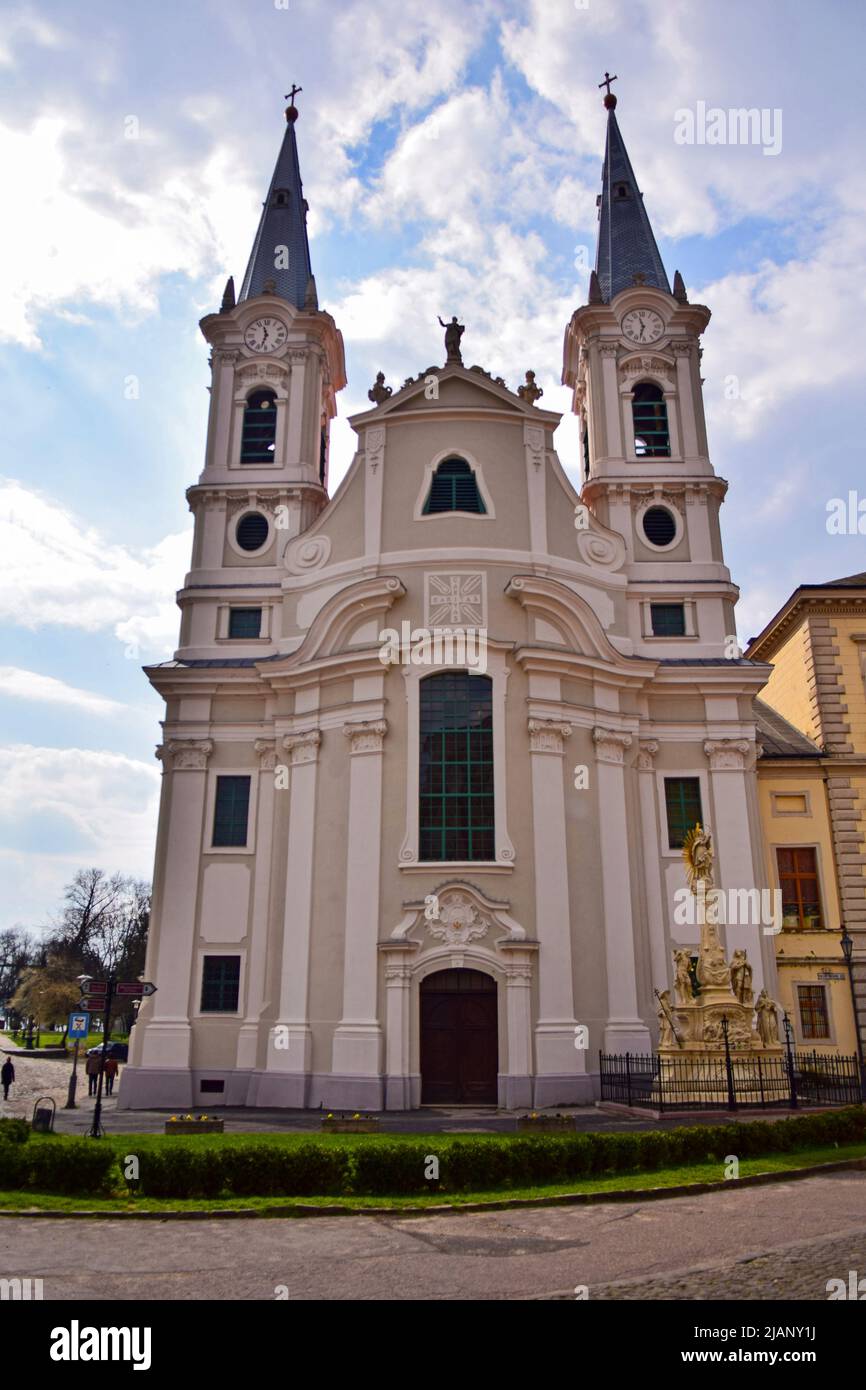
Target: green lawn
711,1172
47,1039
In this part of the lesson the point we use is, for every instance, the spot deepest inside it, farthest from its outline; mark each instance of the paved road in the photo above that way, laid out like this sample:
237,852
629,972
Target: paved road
759,1243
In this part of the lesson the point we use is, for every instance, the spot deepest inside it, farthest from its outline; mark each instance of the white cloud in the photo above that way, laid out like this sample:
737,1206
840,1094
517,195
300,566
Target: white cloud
65,809
53,569
21,26
95,225
31,686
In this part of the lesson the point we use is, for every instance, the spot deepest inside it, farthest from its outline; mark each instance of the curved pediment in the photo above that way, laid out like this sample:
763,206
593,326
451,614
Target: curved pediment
346,613
558,609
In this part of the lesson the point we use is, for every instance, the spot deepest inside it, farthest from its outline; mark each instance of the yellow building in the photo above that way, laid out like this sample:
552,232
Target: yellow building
811,725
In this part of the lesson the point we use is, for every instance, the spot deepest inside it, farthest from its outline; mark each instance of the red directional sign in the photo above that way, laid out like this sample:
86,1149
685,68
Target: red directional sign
135,988
94,987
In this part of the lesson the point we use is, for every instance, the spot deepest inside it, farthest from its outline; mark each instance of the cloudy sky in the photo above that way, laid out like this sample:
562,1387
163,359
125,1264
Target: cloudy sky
451,155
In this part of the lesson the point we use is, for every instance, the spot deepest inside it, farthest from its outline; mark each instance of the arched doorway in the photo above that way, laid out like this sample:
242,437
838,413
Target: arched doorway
459,1038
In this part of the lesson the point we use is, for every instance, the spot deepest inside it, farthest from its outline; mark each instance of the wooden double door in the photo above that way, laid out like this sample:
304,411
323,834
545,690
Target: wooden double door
459,1038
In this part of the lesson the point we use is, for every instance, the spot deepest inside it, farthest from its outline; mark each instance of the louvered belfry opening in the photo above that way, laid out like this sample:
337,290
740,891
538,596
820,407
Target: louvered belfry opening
454,489
259,436
650,414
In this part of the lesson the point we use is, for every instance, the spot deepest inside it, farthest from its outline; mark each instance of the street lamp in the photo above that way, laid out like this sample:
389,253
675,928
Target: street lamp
848,952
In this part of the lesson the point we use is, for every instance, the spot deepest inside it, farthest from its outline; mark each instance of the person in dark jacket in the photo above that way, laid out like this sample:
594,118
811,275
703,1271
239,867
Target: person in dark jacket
7,1076
91,1067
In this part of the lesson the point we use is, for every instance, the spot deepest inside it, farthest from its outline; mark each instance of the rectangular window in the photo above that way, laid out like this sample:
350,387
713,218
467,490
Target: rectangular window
220,984
683,808
231,811
668,619
245,622
814,1019
798,880
456,768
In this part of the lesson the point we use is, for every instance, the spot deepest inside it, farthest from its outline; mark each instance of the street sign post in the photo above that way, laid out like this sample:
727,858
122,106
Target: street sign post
78,1027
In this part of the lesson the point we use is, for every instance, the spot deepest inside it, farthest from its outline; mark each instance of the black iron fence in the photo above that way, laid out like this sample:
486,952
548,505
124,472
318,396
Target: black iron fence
737,1081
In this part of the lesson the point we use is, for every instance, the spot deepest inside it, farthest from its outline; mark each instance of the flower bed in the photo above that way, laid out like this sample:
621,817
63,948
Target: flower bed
546,1124
350,1124
190,1124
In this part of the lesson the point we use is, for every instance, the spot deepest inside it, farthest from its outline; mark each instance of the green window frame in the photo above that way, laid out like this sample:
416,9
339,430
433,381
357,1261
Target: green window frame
682,808
454,489
650,415
814,1017
231,810
668,619
220,984
259,434
245,622
456,805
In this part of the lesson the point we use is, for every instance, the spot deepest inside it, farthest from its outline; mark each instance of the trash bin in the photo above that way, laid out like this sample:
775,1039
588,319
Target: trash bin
43,1115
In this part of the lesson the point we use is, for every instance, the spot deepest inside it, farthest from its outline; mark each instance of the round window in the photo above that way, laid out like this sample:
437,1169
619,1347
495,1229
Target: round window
252,531
659,526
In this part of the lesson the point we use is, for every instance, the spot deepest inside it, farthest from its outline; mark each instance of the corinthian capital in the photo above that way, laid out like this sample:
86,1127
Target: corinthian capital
303,747
727,754
610,744
547,735
185,754
366,736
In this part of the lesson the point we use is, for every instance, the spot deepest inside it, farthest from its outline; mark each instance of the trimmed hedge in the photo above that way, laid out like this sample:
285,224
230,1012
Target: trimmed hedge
213,1166
14,1130
59,1164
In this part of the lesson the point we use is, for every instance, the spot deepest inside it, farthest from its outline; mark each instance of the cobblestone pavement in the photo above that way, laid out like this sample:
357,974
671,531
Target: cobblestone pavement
35,1077
800,1271
732,1243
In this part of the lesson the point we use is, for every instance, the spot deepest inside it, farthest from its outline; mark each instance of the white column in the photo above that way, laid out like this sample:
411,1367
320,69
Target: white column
357,1053
398,1083
248,1037
167,1033
625,1031
738,865
285,1081
653,888
558,1062
683,352
517,1081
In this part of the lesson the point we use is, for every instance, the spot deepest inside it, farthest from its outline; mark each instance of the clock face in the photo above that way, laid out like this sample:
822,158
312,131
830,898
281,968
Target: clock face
265,335
642,326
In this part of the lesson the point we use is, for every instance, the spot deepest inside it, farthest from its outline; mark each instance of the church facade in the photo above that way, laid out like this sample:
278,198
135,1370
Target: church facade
432,745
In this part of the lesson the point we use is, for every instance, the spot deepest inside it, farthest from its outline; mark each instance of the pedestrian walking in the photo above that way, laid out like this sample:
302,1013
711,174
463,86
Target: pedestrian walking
7,1076
91,1067
110,1073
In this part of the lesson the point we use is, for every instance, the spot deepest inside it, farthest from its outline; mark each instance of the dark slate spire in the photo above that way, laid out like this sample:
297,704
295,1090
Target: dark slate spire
626,245
282,229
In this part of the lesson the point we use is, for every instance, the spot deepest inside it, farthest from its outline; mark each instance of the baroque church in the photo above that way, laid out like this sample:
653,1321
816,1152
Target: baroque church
443,872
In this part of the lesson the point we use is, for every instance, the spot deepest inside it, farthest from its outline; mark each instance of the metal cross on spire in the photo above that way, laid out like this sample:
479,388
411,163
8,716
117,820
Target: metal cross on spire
607,81
290,96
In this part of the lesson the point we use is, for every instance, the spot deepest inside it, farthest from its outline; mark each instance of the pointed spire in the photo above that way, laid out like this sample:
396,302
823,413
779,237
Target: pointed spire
228,299
627,253
680,288
281,253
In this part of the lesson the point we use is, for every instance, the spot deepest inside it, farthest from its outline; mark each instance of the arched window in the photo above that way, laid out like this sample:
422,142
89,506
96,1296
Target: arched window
258,439
650,414
454,489
456,767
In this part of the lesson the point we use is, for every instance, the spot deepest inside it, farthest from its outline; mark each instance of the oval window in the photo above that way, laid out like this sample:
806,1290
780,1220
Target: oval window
659,526
252,531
